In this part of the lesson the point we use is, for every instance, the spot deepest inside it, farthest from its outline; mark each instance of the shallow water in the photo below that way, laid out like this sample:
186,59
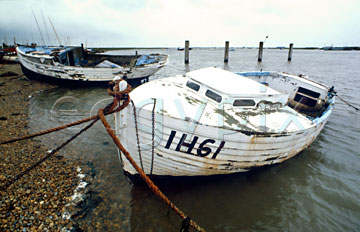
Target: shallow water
318,190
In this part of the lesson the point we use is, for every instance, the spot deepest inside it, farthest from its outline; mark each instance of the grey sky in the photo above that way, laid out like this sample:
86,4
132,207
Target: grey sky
168,23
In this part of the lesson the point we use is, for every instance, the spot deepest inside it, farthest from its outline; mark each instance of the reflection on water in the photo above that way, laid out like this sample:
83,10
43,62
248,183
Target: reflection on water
315,190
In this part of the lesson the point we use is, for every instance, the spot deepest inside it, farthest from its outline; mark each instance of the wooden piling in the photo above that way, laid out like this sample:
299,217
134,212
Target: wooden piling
226,55
261,46
290,51
187,44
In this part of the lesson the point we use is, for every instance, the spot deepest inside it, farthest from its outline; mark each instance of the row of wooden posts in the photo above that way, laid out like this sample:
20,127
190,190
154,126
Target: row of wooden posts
226,55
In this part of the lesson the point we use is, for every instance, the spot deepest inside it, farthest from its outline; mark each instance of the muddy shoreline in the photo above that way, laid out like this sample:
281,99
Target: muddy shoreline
39,200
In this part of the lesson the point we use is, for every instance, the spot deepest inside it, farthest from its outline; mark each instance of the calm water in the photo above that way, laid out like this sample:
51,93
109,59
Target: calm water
318,190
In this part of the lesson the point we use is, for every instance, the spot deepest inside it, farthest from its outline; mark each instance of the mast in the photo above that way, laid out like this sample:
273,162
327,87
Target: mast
42,38
55,31
47,33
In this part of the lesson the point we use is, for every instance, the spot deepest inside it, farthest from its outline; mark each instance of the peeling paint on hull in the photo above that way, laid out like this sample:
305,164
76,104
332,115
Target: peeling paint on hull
193,136
44,69
240,153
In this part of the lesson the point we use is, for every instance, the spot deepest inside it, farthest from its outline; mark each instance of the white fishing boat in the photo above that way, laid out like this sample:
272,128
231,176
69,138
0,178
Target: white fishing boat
76,66
212,121
9,59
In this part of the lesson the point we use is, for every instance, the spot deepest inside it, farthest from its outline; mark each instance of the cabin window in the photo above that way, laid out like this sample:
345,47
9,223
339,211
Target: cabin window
308,92
212,95
244,102
305,100
193,85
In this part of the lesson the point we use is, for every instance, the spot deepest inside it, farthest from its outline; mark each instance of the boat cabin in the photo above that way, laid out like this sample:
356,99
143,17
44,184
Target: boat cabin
227,88
305,96
260,88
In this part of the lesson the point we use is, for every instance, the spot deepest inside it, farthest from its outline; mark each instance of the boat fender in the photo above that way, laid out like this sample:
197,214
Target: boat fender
116,78
122,85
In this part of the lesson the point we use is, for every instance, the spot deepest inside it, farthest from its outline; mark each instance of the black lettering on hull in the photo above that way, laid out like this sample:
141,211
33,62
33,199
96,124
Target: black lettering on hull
202,150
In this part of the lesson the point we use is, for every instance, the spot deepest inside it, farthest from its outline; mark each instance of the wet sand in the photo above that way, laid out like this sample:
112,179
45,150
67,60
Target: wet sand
37,201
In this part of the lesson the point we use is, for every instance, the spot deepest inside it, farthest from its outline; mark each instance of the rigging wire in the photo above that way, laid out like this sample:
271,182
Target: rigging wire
52,25
47,33
42,37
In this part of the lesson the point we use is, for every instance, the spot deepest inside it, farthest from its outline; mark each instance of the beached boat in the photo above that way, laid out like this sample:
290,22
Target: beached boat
8,54
212,121
9,58
76,66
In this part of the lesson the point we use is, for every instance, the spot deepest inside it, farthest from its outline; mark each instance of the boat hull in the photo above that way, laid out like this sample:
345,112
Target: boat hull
75,82
9,59
45,69
183,148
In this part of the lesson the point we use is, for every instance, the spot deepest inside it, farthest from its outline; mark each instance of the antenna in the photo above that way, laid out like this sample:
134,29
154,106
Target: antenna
47,33
55,31
42,38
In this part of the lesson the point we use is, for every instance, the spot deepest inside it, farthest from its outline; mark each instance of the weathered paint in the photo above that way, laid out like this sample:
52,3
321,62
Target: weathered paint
197,136
94,74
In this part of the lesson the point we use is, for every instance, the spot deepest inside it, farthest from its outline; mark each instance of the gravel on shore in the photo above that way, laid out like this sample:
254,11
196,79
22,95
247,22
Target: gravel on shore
37,201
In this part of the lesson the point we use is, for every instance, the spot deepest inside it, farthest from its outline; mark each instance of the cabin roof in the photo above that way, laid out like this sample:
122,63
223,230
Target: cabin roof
230,83
175,100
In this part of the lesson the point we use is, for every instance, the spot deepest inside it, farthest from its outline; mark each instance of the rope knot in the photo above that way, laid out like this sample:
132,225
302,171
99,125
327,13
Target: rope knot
120,90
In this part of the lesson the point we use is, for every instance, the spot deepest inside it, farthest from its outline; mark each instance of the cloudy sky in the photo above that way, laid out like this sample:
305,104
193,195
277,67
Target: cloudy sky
168,23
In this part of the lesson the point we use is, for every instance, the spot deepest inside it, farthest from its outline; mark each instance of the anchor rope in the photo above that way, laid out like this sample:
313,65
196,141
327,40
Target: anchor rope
137,135
111,110
347,103
115,106
37,163
107,110
142,174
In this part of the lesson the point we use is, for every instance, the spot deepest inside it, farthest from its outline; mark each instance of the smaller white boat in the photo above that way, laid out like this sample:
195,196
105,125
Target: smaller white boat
8,54
76,66
10,58
212,121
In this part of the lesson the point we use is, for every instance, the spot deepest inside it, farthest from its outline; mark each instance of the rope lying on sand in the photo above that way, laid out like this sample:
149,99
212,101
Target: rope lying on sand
120,101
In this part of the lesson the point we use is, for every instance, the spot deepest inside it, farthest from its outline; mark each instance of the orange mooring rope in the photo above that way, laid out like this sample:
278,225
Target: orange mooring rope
142,174
119,96
108,110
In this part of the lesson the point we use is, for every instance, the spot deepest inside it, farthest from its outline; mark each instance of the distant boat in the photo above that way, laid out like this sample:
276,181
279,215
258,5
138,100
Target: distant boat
74,66
211,121
8,54
182,48
347,48
9,58
9,48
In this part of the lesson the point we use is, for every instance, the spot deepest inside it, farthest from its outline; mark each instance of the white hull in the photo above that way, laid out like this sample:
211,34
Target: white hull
240,152
44,65
7,58
197,134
